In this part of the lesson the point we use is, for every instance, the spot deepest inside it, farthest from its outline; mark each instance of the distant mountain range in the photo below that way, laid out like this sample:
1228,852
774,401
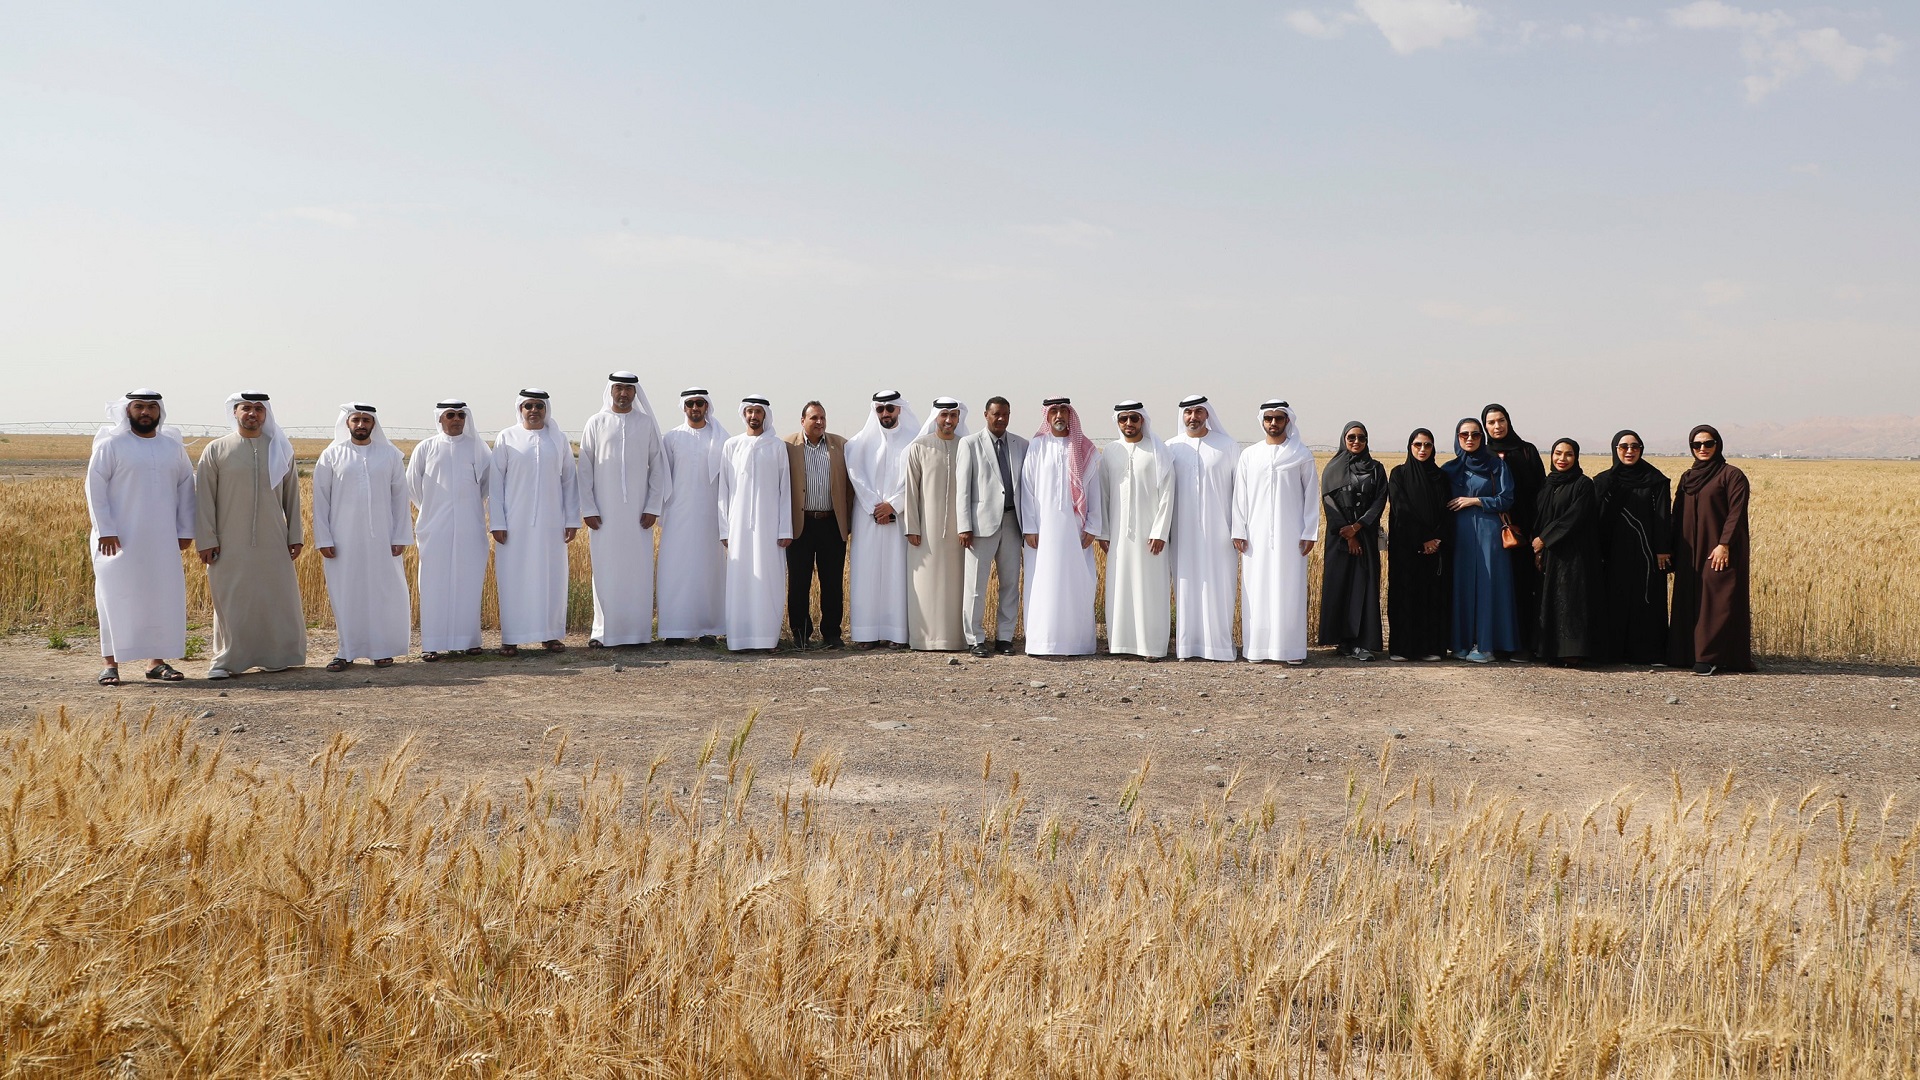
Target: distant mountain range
1818,437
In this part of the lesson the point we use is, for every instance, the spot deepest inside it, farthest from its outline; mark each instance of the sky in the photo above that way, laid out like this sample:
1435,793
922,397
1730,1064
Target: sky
1602,215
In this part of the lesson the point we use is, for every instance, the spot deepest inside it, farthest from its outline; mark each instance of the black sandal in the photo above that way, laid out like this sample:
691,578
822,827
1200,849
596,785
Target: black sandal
430,657
475,651
110,675
592,643
164,672
509,650
339,663
385,661
556,645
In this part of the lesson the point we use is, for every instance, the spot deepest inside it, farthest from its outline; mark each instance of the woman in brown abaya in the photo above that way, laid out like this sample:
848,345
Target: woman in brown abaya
1712,626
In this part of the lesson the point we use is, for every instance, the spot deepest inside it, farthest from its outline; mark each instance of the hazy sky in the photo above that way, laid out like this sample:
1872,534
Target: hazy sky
1602,214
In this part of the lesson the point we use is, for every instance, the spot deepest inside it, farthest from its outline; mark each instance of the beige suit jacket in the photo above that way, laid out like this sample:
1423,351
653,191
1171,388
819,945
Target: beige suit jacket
842,494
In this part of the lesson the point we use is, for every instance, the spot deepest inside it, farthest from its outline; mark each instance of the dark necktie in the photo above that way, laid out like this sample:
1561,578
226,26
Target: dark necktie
1006,474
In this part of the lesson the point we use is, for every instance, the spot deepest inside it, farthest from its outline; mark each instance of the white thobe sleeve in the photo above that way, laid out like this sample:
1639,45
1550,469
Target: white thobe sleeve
498,510
1162,527
399,514
1096,507
323,480
723,484
1309,495
569,489
416,472
99,477
786,496
1112,475
865,498
186,506
659,476
1242,500
587,470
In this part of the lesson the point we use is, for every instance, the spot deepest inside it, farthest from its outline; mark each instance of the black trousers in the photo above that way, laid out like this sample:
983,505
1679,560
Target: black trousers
819,546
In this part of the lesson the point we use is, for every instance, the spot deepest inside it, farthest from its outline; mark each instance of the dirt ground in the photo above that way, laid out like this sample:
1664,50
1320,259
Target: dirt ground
915,728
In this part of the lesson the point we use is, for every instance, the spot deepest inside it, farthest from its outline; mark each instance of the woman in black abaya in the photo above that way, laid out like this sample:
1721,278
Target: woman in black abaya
1419,561
1529,476
1636,502
1567,554
1353,491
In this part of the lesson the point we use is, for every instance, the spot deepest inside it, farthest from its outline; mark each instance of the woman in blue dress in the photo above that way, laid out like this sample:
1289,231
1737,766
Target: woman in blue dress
1484,619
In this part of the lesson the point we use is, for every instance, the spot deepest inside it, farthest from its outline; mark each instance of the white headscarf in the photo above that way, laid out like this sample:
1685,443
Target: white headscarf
640,405
716,444
640,402
875,444
1294,447
1216,432
470,435
341,436
751,399
118,424
1153,442
1162,460
940,405
555,438
279,447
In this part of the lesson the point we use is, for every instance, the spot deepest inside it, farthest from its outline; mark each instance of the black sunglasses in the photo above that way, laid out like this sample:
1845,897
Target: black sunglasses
1467,435
454,414
1706,444
1630,446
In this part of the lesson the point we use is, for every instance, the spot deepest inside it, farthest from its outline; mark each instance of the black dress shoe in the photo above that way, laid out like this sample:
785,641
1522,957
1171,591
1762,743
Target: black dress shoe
833,643
1004,648
673,641
709,639
982,650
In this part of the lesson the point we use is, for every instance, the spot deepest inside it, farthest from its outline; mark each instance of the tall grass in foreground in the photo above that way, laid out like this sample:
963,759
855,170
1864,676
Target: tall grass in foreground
167,911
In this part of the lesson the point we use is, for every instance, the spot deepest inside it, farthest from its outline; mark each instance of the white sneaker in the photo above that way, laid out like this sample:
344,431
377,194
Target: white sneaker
1295,663
219,673
1396,658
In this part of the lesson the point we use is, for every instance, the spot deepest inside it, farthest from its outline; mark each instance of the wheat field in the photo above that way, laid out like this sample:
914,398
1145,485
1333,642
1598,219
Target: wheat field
169,911
1836,561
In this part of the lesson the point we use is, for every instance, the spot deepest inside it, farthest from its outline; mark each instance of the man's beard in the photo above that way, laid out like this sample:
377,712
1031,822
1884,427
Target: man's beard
143,427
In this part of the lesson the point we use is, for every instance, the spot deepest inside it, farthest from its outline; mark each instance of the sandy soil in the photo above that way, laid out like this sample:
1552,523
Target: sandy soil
914,728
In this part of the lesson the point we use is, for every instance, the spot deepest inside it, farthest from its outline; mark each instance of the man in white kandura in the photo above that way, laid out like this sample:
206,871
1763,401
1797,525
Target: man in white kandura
756,525
140,499
362,526
447,476
936,568
987,497
623,487
693,561
877,557
1137,482
1206,571
247,530
1276,521
536,512
1061,510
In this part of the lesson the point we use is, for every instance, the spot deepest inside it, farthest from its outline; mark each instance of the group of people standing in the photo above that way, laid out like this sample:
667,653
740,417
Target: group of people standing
1498,553
1488,555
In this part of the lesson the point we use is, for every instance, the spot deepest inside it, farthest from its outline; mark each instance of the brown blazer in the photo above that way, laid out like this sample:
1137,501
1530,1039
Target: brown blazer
842,497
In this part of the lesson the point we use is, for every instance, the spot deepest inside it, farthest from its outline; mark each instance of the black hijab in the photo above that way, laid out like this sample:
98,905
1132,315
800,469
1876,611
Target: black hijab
1640,474
1348,469
1559,478
1420,489
1512,439
1696,478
